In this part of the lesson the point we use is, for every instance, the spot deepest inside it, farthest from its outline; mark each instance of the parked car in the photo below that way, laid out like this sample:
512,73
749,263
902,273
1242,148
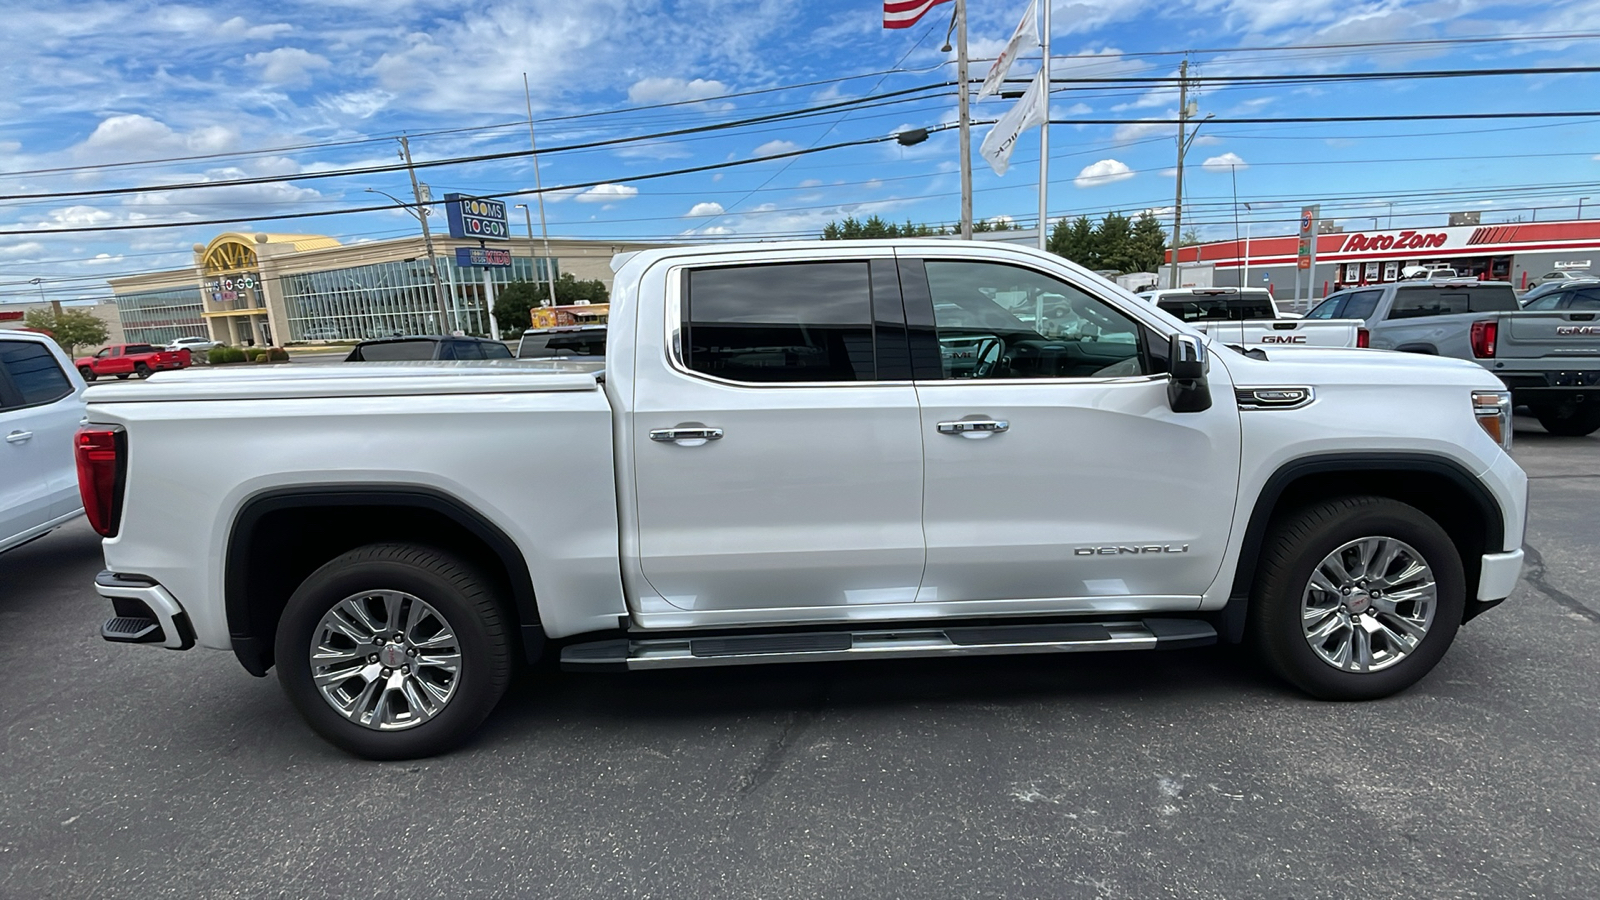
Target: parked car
802,452
1552,287
1250,317
1561,275
587,341
1548,358
421,348
123,360
41,406
193,344
323,334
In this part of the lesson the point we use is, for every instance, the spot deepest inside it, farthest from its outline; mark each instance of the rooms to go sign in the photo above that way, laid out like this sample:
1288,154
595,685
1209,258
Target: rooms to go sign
471,217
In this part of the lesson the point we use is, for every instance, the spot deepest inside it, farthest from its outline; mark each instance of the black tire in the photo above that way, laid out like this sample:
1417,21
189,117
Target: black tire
1575,420
87,373
459,593
1298,544
141,370
122,376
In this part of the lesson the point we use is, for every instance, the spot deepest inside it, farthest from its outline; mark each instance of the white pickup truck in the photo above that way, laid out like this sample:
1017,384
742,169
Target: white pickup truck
1249,317
801,452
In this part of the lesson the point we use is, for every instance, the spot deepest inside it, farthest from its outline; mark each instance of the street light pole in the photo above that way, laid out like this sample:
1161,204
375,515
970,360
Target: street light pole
964,120
1185,138
538,186
548,262
427,239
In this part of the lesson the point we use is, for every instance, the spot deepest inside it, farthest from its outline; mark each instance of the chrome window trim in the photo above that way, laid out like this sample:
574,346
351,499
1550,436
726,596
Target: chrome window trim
674,332
1109,379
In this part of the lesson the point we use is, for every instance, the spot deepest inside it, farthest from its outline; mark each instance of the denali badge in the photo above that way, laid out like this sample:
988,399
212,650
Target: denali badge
1136,550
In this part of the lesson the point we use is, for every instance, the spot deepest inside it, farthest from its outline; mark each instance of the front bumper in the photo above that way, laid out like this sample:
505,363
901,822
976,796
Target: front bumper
134,598
1498,577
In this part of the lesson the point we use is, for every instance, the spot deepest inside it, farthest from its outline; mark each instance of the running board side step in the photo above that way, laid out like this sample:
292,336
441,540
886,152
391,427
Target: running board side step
626,654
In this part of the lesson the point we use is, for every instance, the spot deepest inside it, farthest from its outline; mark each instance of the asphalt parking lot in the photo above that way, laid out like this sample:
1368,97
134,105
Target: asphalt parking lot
136,772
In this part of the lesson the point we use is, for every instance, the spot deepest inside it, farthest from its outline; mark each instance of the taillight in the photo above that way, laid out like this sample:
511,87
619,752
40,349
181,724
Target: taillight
1483,338
102,461
1363,338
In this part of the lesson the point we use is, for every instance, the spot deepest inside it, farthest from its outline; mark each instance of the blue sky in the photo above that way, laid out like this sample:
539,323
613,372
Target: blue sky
91,84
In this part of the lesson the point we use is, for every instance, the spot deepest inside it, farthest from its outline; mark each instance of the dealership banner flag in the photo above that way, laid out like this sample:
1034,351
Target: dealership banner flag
1002,138
906,13
1026,37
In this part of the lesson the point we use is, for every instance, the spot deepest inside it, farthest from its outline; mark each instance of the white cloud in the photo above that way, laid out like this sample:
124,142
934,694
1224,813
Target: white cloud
1134,131
673,90
356,104
605,193
817,182
1106,171
706,208
1225,162
290,66
774,147
133,135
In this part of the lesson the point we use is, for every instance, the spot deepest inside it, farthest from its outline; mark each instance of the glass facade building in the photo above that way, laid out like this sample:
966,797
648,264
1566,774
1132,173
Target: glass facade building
161,316
386,298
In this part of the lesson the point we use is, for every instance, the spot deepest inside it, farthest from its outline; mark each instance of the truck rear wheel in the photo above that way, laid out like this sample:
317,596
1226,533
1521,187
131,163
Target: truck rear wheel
141,370
1357,598
1569,420
394,651
87,373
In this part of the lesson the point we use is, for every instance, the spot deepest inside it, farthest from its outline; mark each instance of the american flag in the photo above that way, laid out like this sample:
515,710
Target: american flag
905,13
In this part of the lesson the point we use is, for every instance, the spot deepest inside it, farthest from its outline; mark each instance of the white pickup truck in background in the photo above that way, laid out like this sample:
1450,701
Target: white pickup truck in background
1248,317
806,452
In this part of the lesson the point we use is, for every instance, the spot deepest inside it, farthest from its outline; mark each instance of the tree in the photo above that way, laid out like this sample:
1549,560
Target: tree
852,229
514,303
1147,249
1112,238
72,328
1075,241
1189,237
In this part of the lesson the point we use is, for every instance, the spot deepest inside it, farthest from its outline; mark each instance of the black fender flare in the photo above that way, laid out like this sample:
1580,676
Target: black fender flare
248,648
1233,615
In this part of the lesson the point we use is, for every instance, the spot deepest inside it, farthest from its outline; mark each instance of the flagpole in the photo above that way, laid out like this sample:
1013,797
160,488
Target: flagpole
964,113
1044,130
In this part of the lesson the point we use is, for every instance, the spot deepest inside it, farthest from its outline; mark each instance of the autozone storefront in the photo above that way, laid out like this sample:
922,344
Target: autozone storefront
1520,253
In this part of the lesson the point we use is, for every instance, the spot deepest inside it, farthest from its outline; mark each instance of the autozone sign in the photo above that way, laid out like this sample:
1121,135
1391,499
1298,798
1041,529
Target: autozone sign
1405,240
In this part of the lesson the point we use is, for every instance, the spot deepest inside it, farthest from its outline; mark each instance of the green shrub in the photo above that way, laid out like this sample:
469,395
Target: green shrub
277,354
217,355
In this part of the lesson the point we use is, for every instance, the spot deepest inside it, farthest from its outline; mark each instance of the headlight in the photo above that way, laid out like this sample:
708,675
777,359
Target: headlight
1493,411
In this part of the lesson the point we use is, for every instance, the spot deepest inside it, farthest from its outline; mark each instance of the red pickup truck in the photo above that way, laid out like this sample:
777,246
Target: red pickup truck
123,360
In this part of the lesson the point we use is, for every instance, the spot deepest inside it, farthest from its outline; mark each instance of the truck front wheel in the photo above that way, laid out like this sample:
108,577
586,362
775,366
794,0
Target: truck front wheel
394,651
1569,420
1356,598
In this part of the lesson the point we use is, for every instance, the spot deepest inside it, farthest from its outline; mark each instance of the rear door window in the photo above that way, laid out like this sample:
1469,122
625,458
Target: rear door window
1327,309
1360,305
494,350
1549,301
1585,300
789,322
1422,302
34,375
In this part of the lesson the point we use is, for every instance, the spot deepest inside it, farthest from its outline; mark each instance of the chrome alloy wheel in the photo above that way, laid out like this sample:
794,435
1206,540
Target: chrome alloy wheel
385,660
1368,604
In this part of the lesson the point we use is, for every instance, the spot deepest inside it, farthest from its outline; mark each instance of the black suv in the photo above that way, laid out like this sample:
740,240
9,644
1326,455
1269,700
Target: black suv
427,347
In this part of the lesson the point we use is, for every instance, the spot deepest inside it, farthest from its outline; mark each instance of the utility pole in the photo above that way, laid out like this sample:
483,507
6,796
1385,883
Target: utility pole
1183,145
963,109
549,261
427,239
1044,129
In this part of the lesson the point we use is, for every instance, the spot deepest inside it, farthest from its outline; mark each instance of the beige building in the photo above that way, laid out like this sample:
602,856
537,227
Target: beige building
11,316
262,289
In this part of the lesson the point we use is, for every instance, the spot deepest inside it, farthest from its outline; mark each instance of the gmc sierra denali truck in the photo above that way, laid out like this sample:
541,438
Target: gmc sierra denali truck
802,452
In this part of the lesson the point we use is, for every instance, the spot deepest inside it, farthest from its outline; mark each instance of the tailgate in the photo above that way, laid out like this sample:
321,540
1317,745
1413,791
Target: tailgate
1300,332
1548,335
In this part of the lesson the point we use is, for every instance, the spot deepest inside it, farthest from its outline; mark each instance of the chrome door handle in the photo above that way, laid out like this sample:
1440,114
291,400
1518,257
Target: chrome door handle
689,436
975,427
17,437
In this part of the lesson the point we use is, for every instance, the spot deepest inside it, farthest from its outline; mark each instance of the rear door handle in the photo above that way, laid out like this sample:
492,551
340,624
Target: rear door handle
686,435
17,437
975,427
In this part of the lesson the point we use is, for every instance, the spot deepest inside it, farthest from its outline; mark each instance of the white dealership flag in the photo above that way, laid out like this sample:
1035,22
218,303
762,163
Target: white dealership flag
1026,37
1002,138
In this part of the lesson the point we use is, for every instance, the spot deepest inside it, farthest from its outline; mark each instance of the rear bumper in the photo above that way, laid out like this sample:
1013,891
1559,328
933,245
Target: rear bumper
135,596
1553,387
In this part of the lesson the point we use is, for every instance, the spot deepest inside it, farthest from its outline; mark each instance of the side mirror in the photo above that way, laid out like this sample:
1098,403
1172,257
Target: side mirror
1187,362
